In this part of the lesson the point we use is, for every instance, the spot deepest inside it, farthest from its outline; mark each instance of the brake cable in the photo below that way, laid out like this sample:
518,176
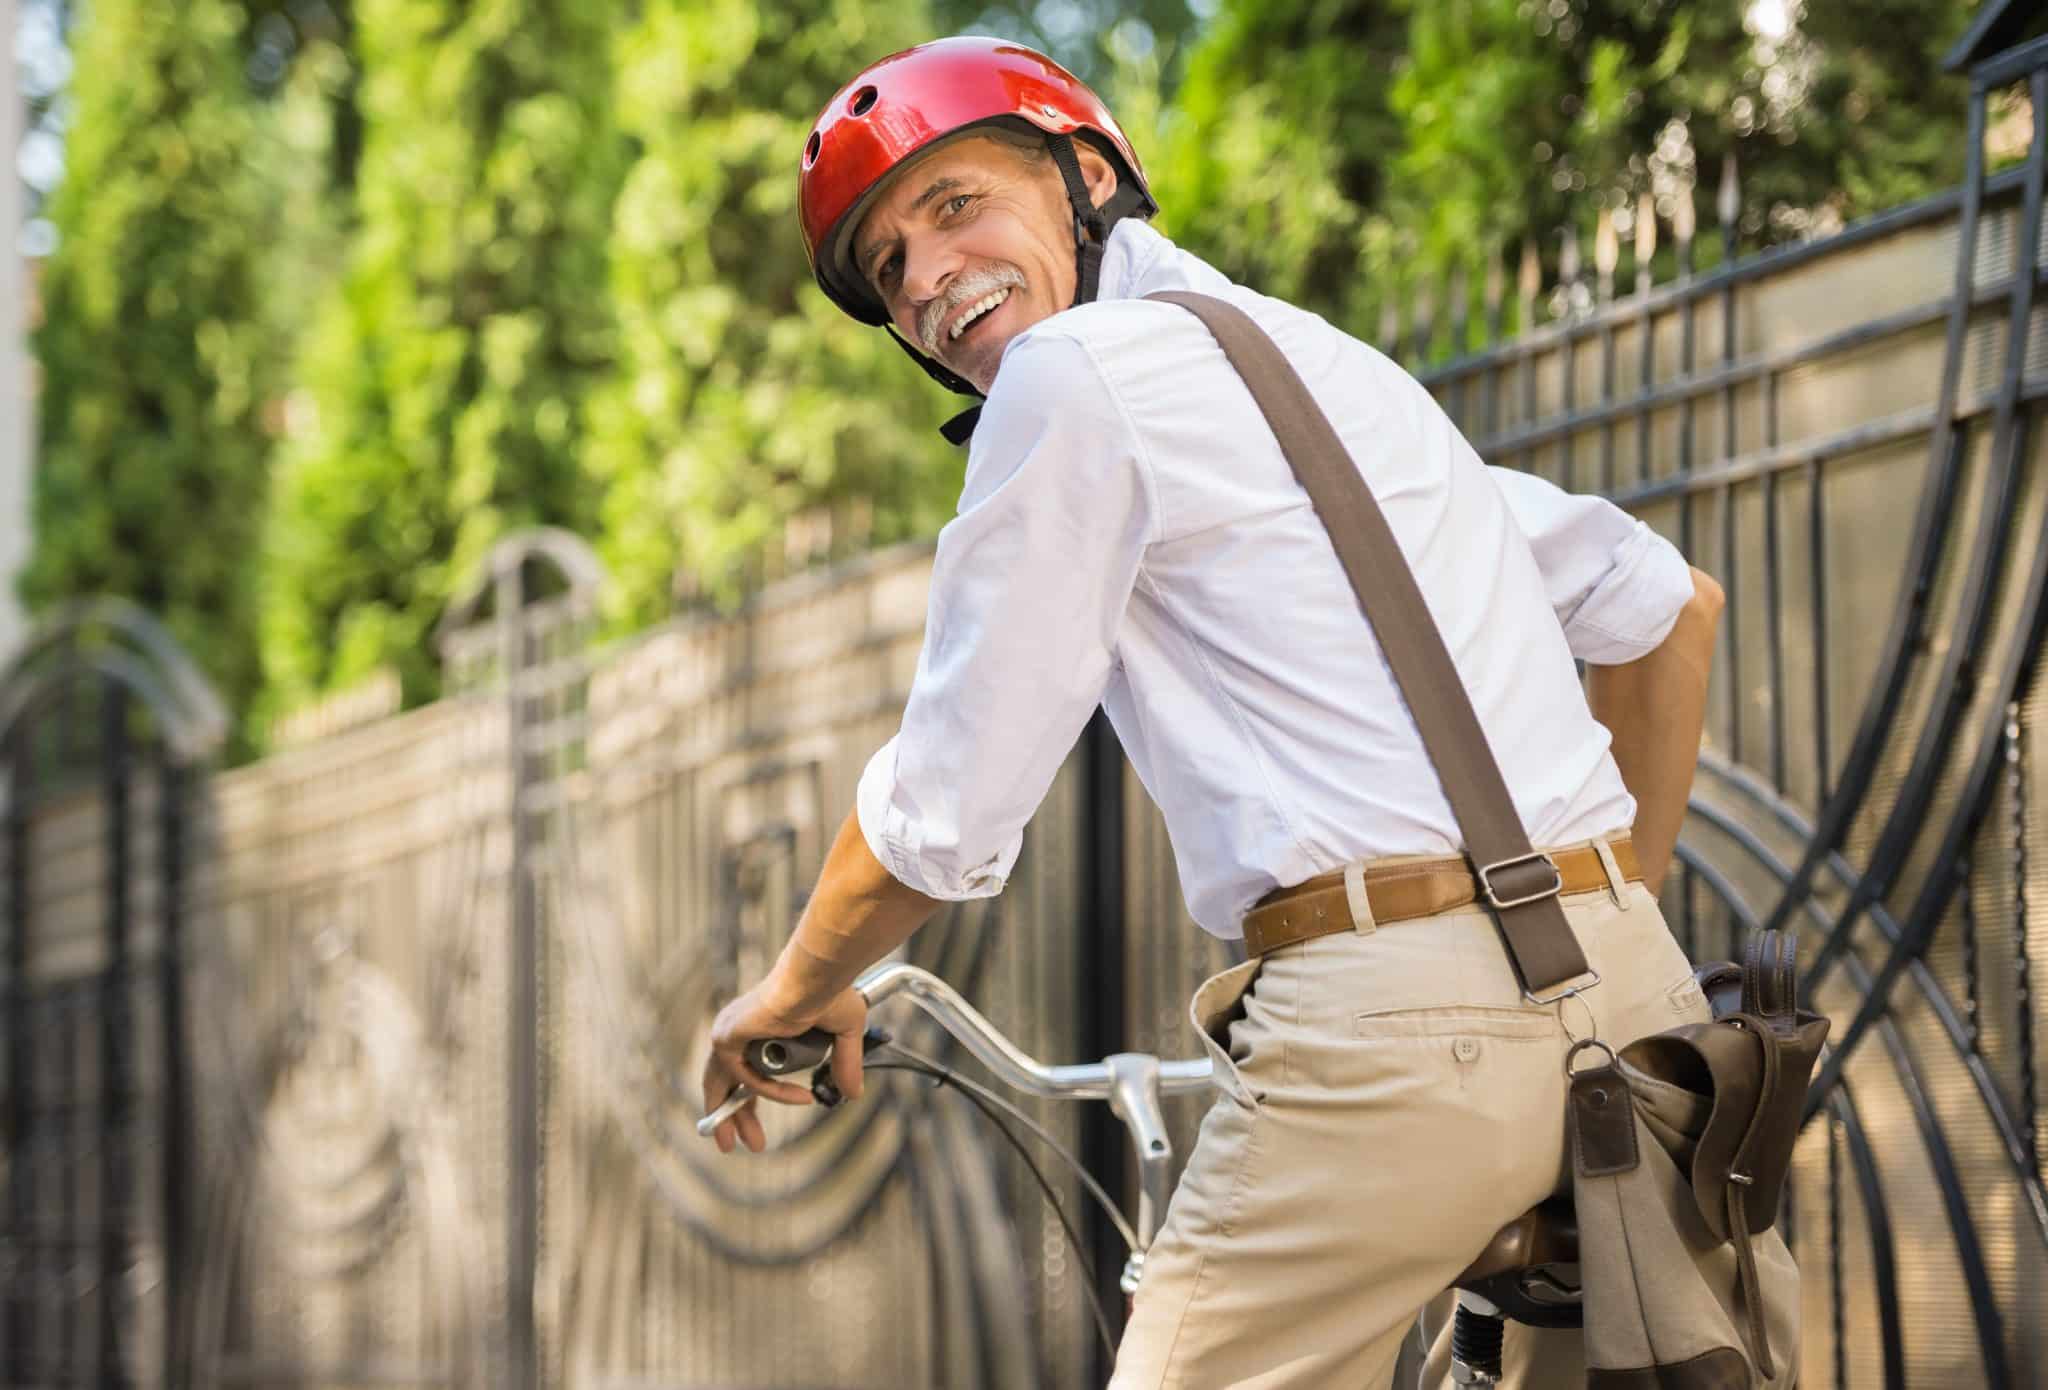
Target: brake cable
826,1093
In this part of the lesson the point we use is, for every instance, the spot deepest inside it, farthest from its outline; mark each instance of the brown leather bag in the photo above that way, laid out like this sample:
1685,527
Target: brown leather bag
1681,1145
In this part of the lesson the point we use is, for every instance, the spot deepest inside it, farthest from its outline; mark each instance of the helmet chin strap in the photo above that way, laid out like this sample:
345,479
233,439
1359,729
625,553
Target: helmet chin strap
1091,228
1091,237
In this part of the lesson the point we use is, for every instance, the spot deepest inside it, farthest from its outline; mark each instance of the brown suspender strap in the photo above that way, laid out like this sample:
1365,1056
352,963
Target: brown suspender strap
1517,882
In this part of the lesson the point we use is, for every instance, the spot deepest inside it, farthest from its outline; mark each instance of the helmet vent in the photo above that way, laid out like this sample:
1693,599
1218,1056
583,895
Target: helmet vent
811,148
864,101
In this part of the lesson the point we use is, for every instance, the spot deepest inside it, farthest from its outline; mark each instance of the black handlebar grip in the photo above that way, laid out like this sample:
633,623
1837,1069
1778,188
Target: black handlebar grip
781,1056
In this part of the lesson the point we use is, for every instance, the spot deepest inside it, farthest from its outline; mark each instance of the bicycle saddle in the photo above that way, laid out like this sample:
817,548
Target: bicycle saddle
1529,1270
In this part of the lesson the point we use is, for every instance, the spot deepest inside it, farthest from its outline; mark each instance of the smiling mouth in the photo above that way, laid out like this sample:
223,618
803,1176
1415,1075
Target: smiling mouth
976,312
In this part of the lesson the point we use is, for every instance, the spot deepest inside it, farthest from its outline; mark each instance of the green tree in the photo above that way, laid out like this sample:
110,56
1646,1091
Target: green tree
1341,151
447,380
743,397
1272,156
157,357
1088,37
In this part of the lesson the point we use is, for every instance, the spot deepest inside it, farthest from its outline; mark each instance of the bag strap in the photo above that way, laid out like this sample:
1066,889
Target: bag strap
1517,882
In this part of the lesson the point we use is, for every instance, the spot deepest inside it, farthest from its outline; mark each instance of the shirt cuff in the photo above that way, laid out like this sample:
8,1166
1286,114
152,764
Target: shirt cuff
1636,604
909,848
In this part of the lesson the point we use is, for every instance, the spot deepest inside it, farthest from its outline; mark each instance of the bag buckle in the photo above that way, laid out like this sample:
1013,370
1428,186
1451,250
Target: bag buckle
1501,904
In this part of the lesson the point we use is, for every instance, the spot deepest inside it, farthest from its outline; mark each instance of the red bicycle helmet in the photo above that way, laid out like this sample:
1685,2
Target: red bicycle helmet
910,100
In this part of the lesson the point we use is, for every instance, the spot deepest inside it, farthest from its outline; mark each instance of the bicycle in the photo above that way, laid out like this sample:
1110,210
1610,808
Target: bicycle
1528,1272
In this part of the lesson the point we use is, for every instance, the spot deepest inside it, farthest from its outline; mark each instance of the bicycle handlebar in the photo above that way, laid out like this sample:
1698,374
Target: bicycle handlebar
1132,1082
1012,1065
781,1056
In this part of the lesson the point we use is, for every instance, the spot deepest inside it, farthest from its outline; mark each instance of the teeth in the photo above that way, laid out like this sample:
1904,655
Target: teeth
980,307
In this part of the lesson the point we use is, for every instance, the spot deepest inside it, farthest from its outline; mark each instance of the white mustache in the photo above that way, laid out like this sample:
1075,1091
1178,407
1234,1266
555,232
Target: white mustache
970,286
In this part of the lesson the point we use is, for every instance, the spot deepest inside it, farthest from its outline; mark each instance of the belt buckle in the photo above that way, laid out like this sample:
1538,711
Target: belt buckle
1502,904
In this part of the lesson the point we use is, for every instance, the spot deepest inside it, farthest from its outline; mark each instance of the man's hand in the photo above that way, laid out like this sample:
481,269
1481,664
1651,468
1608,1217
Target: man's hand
858,914
753,1016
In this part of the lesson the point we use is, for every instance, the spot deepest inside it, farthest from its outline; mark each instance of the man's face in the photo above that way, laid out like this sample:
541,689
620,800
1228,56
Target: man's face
971,245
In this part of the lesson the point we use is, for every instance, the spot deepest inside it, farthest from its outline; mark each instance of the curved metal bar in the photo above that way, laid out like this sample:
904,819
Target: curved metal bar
1969,1251
1996,1109
571,554
1956,683
1741,779
20,700
1011,1065
1936,506
194,720
1971,805
1883,1248
1718,881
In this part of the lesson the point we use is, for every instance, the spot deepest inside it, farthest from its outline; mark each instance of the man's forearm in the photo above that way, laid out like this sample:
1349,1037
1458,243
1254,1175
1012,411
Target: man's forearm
859,913
1655,707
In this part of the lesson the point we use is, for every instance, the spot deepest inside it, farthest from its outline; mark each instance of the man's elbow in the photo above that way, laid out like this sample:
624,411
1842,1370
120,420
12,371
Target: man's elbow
1693,636
1707,600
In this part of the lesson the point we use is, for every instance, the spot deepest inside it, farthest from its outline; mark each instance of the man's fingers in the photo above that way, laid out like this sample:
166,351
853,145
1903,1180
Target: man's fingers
847,1061
751,1133
782,1091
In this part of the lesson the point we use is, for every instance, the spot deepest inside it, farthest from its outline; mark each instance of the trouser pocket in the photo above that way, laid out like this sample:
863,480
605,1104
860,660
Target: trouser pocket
1217,1004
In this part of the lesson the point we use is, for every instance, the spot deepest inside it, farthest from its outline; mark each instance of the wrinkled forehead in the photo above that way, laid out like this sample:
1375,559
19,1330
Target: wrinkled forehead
965,154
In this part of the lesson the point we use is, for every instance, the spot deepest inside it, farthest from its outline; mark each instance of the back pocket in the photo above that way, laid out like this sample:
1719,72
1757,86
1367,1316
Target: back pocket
1455,1020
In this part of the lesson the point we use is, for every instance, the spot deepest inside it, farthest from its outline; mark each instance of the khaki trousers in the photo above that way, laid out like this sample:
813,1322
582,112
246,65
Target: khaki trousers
1389,1101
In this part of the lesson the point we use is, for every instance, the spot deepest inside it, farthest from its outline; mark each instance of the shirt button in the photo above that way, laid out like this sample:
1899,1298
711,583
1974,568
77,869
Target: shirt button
1465,1049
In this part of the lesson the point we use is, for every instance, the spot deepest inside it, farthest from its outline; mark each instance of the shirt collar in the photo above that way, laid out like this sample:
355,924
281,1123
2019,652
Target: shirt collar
1129,260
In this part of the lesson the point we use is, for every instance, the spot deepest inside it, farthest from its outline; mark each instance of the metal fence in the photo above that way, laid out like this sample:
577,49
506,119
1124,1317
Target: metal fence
375,1063
1844,434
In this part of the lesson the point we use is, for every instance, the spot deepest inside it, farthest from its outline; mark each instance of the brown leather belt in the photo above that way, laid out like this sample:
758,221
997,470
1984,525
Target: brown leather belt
1403,891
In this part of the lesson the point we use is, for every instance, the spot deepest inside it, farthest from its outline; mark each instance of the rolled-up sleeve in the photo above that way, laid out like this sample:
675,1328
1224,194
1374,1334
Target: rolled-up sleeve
1616,585
1029,588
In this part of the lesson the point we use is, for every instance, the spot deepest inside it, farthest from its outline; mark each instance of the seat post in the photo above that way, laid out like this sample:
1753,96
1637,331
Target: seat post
1476,1335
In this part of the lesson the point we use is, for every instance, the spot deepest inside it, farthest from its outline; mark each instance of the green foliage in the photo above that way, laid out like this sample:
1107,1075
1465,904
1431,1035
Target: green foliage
742,396
1340,151
446,382
1272,157
507,262
157,357
1088,37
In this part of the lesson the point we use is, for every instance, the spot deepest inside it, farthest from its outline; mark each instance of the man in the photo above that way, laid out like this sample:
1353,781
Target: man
1130,535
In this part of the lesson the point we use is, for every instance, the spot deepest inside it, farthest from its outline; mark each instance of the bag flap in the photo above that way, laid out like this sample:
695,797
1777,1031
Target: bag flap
1765,1153
1752,1080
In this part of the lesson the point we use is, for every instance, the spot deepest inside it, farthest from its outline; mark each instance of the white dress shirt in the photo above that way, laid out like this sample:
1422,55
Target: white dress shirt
1130,535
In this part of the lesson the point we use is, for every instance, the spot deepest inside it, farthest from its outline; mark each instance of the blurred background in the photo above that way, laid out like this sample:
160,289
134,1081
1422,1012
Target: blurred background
460,565
353,290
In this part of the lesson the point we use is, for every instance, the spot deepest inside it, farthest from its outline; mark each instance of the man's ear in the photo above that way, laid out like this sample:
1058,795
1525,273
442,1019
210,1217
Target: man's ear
1096,172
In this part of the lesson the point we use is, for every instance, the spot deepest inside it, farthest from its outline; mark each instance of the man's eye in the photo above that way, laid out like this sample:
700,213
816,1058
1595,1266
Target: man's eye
958,201
886,274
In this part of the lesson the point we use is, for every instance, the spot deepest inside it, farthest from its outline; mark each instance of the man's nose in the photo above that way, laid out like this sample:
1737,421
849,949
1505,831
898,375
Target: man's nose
926,270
